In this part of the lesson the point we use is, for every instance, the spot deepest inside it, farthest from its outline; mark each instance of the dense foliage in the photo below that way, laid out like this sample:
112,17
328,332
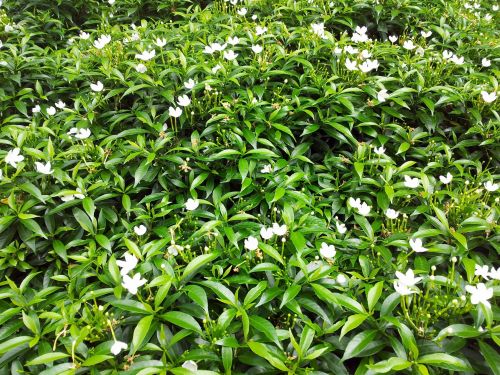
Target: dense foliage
249,187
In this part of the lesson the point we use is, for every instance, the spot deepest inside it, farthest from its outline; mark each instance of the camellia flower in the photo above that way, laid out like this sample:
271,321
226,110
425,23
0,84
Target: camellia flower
266,233
160,42
140,229
102,41
408,44
192,204
279,230
391,214
266,169
128,264
379,150
230,55
446,180
44,168
14,156
382,95
133,283
480,294
141,68
417,245
175,112
490,186
183,100
489,97
118,346
251,243
257,49
51,111
259,30
190,365
97,87
482,271
393,38
485,62
189,84
327,251
341,228
146,55
411,182
84,35
350,65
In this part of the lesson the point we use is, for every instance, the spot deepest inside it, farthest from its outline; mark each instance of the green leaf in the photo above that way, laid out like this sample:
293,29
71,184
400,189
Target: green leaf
391,364
254,293
290,293
47,358
444,360
14,343
271,251
96,359
264,326
33,226
262,351
352,322
83,220
141,171
198,295
358,343
103,241
33,190
197,263
140,332
182,320
339,299
132,306
492,357
374,294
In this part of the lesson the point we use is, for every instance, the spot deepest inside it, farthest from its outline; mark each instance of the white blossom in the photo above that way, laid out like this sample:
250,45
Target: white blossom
391,213
327,251
489,97
174,112
128,264
183,100
417,245
490,186
411,182
251,243
44,168
102,41
266,233
118,346
97,87
279,230
14,156
446,179
140,229
132,284
192,204
480,294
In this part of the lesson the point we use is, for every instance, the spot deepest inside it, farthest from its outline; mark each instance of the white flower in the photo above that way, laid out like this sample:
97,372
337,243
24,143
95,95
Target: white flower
97,87
111,2
341,228
403,289
446,180
482,271
495,273
117,347
408,44
128,264
133,283
457,60
242,12
140,229
70,197
350,65
14,156
355,203
365,54
192,204
216,68
215,47
259,30
266,169
174,249
319,29
230,55
351,50
266,233
189,84
190,365
279,230
141,68
368,65
101,42
175,112
488,17
251,243
146,55
337,51
233,40
411,182
364,209
60,104
84,35
327,251
51,111
183,100
480,294
257,49
36,109
391,214
485,62
417,245
160,42
379,150
83,133
495,7
393,38
490,186
44,168
341,279
447,54
408,279
487,97
426,34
